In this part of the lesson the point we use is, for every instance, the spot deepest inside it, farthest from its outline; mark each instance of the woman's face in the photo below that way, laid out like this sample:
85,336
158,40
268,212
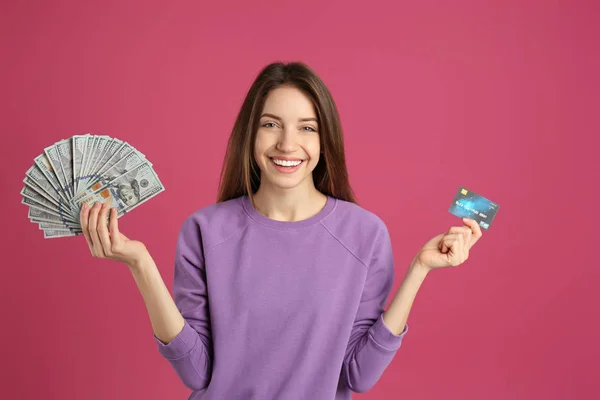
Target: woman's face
287,143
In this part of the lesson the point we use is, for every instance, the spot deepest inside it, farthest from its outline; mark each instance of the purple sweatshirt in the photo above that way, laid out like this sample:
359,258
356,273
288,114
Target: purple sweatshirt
282,310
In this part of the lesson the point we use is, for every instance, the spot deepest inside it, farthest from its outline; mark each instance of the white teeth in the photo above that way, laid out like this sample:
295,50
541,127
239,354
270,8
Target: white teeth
284,163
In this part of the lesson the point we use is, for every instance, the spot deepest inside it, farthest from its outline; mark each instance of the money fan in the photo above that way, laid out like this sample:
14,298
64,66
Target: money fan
85,169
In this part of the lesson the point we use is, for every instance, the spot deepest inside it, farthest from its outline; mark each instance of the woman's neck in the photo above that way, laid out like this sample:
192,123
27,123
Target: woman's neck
289,205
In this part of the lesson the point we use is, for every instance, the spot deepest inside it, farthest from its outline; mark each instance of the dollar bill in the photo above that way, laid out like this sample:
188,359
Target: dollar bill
59,213
47,170
49,225
90,147
53,158
56,233
90,175
79,142
111,149
64,149
64,225
31,184
125,192
101,147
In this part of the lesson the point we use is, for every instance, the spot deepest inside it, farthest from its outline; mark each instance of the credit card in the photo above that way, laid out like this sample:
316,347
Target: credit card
467,204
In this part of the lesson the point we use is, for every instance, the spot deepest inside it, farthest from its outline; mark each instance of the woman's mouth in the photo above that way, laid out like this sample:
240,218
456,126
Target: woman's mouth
286,166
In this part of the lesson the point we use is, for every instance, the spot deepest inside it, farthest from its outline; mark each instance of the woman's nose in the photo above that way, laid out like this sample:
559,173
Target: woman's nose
287,141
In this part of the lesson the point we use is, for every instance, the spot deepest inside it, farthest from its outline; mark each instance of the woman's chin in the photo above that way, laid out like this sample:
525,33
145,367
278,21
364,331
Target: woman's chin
285,182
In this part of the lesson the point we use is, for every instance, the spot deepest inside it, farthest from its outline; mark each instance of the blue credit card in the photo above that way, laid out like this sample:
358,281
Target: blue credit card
467,204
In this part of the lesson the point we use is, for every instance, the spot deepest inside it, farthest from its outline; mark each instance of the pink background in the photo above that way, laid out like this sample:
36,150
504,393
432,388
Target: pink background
501,97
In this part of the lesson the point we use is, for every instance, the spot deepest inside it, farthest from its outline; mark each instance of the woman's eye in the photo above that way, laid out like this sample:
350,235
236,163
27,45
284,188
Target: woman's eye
272,123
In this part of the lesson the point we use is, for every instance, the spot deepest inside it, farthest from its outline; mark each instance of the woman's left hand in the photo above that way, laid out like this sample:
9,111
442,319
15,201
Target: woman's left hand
450,248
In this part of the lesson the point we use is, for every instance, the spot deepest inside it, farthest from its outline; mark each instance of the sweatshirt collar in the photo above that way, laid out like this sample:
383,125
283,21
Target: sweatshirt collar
288,225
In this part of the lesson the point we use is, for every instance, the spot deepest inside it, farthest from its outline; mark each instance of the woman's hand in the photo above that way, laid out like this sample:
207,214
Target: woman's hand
108,242
450,248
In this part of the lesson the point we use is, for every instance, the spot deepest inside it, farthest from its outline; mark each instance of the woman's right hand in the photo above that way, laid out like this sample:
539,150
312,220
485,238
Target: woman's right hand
106,241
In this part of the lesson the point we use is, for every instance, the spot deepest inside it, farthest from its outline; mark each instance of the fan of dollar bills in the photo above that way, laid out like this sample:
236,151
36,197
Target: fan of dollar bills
86,169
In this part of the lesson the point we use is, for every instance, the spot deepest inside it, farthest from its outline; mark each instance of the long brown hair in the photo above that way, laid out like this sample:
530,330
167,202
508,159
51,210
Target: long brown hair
240,174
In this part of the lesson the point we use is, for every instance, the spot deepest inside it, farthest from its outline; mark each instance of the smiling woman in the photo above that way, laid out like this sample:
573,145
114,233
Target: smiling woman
279,287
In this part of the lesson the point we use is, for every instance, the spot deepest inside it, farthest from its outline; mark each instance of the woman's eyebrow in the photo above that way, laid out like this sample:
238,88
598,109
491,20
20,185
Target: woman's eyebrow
276,117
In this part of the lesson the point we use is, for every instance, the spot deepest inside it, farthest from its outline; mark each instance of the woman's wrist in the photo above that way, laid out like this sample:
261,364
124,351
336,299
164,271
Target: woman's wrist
418,267
141,262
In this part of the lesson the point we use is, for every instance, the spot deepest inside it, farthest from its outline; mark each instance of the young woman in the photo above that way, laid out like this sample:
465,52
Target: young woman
279,286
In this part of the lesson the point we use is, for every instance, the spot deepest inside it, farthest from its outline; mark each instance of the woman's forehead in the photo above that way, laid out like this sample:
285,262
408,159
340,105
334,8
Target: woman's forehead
289,104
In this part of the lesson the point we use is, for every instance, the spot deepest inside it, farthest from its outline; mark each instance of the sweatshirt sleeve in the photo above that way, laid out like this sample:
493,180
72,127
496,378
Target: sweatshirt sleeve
190,352
372,345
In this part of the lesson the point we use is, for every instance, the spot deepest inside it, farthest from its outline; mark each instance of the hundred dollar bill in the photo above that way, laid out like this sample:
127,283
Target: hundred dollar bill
65,157
41,217
61,214
124,165
57,202
93,154
110,148
90,147
50,225
91,177
121,152
34,186
113,149
101,144
46,168
98,152
55,233
78,154
52,155
36,180
37,197
37,215
125,192
34,174
64,225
